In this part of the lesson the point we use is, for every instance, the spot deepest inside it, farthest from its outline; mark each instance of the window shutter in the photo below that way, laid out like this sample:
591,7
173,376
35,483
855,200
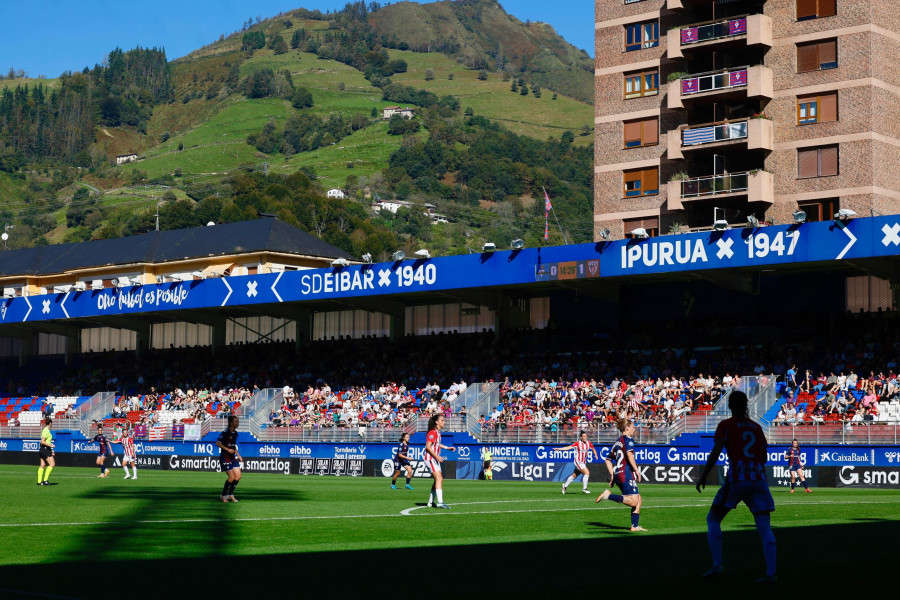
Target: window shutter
829,161
827,8
651,179
631,225
632,131
828,110
807,57
827,52
806,8
808,163
651,131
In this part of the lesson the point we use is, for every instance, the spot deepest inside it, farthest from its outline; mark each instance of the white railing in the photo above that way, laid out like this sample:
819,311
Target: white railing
708,82
452,423
721,132
96,408
352,434
535,434
715,184
845,432
256,411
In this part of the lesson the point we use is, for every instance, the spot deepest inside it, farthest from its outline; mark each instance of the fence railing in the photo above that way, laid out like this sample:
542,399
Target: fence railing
714,133
713,31
715,184
256,411
452,423
334,434
97,407
536,434
720,80
846,432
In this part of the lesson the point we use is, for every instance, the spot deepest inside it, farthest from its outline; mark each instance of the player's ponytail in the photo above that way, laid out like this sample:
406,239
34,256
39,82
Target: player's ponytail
432,422
622,424
48,421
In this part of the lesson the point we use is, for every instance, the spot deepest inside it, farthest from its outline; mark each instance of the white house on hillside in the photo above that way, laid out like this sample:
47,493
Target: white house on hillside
336,193
125,158
406,113
394,205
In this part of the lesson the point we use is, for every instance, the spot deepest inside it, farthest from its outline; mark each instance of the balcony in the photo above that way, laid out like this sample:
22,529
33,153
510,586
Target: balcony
750,134
748,31
716,86
755,186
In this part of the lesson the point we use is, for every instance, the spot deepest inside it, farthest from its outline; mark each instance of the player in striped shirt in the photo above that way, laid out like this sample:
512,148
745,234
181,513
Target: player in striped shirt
792,456
624,473
433,460
582,448
128,452
745,481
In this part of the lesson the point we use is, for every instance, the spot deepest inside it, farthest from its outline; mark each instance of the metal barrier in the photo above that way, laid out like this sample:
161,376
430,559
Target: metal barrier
713,31
721,132
257,410
96,408
451,423
714,80
845,432
715,184
532,434
334,434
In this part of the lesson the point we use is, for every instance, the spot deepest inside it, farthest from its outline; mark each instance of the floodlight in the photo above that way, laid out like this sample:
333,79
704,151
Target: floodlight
604,234
96,284
211,224
367,257
517,244
80,286
121,282
489,247
197,274
799,216
340,262
640,232
752,221
9,292
845,214
720,224
398,255
423,253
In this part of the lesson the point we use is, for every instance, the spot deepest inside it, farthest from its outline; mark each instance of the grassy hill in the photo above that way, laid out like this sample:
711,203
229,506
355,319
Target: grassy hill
197,142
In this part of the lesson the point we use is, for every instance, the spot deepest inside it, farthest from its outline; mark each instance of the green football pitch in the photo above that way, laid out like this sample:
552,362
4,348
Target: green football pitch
167,535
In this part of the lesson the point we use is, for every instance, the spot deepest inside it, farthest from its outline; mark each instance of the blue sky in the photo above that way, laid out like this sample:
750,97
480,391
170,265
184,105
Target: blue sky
48,37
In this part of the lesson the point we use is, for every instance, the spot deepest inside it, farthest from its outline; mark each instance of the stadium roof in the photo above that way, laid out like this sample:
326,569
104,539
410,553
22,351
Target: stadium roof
260,235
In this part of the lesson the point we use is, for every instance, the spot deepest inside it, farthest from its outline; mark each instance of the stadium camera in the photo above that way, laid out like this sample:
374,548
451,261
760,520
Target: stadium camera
340,262
367,257
517,244
398,255
604,234
845,214
720,224
641,233
799,216
752,221
423,253
489,247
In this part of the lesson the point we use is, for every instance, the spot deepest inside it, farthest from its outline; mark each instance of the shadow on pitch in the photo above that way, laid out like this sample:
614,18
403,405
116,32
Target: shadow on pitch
658,566
599,525
197,494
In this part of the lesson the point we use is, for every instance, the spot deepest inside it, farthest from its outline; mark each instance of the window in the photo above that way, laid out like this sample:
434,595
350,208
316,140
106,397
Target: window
641,35
644,132
812,9
645,83
819,108
819,210
817,162
649,224
815,56
641,182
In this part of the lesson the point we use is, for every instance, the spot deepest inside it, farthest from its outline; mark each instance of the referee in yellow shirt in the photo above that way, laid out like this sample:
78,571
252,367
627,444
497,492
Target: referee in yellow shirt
46,453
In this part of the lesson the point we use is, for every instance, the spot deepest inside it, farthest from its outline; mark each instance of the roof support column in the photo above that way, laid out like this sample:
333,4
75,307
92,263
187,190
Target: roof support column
398,323
26,348
303,321
73,345
510,314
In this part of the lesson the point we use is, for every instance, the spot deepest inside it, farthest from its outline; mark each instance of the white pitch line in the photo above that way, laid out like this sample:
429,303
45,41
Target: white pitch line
434,513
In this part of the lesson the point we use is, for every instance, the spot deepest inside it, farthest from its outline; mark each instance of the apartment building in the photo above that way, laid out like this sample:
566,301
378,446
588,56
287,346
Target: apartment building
744,111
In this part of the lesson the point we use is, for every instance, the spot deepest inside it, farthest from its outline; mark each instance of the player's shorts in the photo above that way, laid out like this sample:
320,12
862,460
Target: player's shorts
628,488
755,494
102,455
229,463
795,468
579,465
45,452
487,465
399,465
433,465
128,458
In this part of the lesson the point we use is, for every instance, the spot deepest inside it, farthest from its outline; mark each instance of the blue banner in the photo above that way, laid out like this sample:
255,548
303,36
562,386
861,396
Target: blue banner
776,245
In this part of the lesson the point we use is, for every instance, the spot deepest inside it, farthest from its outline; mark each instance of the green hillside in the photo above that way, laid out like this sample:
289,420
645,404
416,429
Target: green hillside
234,103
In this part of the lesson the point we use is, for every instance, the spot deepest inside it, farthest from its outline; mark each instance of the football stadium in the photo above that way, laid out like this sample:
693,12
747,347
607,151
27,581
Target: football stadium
703,401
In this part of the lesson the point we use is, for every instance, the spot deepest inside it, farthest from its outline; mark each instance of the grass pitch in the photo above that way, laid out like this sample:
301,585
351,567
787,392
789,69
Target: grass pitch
168,535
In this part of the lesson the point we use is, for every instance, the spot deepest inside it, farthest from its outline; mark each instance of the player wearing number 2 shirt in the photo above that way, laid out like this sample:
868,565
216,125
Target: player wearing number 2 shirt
745,481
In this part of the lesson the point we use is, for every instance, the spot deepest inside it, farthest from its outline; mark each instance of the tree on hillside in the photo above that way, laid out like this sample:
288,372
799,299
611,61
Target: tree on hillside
482,75
302,98
298,38
429,74
253,40
260,84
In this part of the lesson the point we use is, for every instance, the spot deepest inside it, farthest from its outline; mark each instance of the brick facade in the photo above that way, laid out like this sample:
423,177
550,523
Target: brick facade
866,132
